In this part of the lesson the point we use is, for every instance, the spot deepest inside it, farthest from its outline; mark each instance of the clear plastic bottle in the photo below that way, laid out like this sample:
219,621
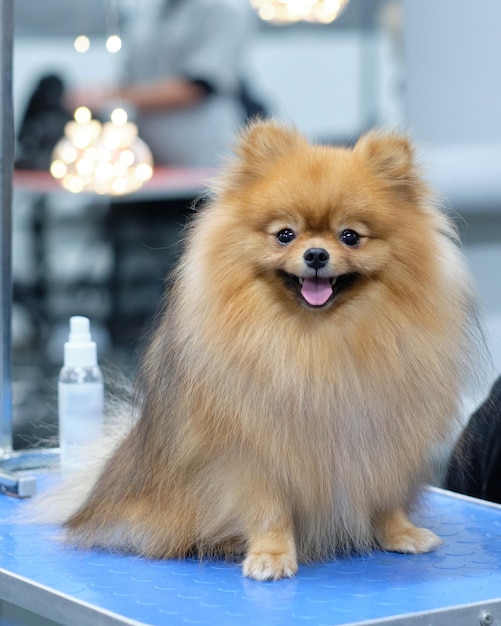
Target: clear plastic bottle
80,393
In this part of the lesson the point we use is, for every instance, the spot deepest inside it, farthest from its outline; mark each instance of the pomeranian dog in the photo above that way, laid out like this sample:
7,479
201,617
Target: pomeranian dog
310,358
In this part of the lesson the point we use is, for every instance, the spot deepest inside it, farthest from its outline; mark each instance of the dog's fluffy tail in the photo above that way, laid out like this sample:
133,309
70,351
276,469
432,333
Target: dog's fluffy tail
62,493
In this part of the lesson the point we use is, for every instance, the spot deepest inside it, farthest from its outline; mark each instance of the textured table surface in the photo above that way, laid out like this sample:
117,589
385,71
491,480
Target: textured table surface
82,587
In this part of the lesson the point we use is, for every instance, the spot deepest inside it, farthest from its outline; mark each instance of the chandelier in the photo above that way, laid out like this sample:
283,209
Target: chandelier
106,158
286,11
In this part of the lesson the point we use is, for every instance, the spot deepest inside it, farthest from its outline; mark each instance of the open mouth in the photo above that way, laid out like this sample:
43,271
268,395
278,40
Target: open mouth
318,291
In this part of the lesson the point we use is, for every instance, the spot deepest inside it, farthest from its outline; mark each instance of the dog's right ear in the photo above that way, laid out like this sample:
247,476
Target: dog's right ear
260,144
390,158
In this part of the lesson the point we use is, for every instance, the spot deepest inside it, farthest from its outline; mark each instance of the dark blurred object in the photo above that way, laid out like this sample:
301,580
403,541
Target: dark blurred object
475,465
253,107
42,125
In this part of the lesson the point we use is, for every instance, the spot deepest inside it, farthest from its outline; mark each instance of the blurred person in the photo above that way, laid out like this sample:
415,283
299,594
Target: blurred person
182,77
42,124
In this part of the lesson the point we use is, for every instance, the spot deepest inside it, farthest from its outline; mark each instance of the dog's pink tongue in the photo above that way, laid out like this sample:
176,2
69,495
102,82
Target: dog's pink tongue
316,291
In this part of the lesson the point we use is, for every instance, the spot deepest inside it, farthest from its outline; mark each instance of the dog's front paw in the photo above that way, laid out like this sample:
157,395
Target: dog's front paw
268,566
396,533
412,541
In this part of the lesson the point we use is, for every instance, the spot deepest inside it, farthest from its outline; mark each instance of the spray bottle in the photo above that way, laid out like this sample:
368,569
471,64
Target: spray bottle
80,392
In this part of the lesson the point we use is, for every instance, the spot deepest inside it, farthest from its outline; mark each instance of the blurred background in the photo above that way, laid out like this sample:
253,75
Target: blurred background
430,68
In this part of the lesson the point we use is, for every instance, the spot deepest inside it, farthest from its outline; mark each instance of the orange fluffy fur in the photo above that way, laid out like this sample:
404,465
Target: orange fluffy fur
276,430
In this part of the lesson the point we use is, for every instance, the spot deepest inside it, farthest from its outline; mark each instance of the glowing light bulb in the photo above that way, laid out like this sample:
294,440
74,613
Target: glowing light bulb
119,117
81,44
118,186
103,172
127,157
58,169
283,11
113,43
267,13
143,172
82,115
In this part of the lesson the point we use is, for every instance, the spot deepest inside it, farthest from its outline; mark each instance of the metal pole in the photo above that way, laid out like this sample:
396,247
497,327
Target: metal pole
10,481
6,170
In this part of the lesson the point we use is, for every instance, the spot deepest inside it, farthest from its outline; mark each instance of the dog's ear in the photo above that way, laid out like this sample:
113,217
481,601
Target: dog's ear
390,158
261,143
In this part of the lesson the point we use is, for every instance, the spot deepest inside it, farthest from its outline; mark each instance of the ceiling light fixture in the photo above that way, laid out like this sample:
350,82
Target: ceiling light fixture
106,158
288,11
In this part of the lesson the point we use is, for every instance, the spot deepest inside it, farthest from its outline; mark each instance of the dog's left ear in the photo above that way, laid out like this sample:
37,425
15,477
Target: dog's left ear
391,159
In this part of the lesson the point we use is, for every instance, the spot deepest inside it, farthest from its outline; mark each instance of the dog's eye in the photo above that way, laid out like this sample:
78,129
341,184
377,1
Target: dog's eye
285,236
350,237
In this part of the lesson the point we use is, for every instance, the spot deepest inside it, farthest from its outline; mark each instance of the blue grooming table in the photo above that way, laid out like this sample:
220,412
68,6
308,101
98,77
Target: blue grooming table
458,584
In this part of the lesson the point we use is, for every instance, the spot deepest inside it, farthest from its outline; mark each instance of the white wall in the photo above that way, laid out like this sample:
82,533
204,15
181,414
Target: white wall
453,108
453,56
330,83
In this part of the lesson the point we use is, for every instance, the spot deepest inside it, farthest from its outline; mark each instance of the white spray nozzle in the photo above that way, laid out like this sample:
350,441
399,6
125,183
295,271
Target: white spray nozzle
80,350
79,329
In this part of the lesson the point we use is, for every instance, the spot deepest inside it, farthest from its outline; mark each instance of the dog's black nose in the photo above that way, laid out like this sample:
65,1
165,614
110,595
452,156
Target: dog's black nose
316,258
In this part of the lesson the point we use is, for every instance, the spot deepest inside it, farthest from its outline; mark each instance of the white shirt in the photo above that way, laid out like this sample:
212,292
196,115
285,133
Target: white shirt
194,39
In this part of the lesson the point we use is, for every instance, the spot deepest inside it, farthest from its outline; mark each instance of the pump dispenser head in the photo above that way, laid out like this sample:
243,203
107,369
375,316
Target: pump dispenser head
80,350
79,329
